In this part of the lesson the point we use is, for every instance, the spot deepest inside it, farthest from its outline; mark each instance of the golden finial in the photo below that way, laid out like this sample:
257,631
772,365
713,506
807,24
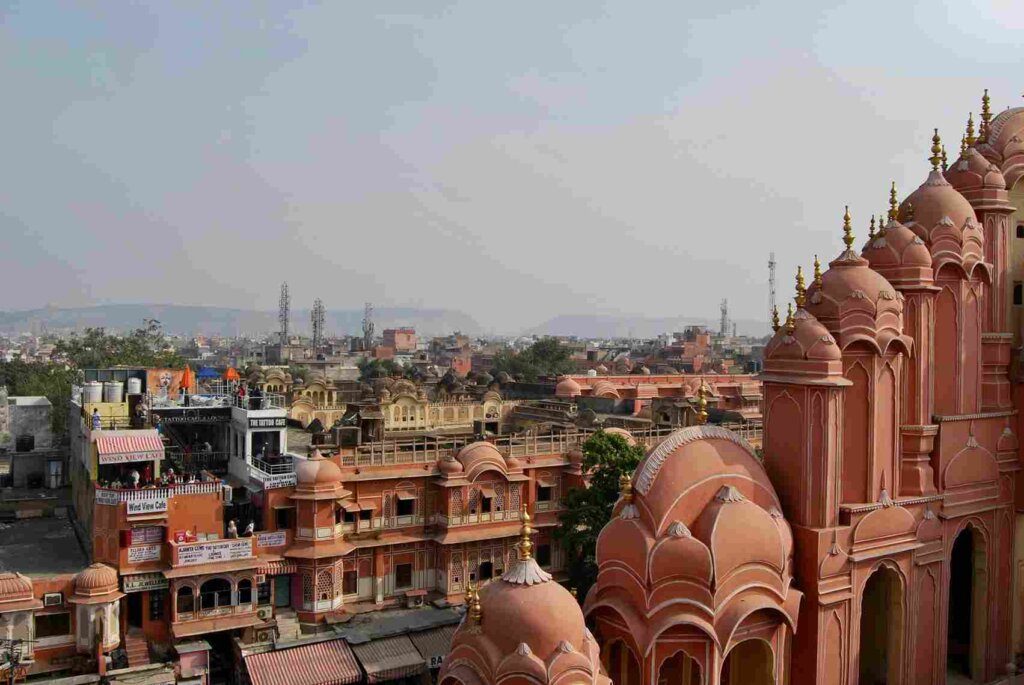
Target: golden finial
847,229
626,487
936,157
986,116
945,161
894,205
963,145
525,533
970,130
801,290
908,211
790,321
871,228
476,611
702,399
817,273
775,319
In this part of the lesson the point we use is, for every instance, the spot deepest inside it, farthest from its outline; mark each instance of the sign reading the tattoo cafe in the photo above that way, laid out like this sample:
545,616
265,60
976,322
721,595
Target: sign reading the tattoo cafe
207,552
193,415
268,422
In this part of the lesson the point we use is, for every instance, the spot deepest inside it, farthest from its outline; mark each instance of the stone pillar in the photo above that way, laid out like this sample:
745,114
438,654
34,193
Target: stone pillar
917,431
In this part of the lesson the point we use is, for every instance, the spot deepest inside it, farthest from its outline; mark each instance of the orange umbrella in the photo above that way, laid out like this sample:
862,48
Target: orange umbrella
231,375
187,378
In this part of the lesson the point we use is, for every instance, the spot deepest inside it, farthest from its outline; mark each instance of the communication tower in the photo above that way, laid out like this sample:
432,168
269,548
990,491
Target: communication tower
318,317
771,287
723,326
368,326
284,308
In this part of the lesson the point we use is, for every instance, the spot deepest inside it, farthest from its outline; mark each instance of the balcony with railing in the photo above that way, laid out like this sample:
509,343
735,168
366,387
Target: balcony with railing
218,395
276,472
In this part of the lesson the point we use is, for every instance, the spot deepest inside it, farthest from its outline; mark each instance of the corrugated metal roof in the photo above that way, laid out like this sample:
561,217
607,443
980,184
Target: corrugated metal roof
388,659
323,663
434,643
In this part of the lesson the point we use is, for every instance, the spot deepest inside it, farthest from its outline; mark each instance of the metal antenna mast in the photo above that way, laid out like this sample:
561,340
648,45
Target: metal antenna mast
368,326
317,316
284,307
771,287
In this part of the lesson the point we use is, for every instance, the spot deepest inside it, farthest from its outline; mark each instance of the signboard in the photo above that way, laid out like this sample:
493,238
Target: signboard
193,415
275,539
278,480
207,552
268,422
435,661
130,457
108,497
164,382
137,507
146,535
144,582
141,553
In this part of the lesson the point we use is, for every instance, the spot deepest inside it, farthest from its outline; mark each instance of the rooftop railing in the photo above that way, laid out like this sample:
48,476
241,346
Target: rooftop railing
162,492
218,396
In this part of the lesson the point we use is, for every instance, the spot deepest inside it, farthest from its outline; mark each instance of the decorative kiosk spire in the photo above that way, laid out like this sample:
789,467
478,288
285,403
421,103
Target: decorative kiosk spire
871,229
475,611
775,319
790,321
702,394
801,289
629,510
817,268
936,158
970,138
847,229
945,160
894,204
986,117
963,145
525,570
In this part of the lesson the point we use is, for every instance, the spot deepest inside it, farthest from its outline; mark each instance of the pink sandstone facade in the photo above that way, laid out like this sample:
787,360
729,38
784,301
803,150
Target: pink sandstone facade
872,539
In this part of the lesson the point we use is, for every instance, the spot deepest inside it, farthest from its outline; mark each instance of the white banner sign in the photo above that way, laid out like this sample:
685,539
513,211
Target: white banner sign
108,497
275,539
134,456
144,581
147,506
147,535
222,550
280,480
141,553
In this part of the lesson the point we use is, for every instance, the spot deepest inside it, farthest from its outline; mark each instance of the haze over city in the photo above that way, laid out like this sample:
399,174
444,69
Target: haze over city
515,162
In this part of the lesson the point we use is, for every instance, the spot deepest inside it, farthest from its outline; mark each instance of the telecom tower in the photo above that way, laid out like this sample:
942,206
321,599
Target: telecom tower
284,307
723,327
317,316
771,287
368,326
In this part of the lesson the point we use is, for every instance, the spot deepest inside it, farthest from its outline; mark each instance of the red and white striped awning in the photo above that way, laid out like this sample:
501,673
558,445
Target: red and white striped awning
124,446
278,567
323,663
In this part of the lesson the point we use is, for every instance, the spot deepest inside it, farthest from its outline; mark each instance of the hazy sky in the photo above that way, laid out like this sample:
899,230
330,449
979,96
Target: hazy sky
515,160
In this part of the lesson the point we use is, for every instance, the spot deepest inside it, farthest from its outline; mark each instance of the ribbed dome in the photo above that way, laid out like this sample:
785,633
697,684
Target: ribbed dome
449,466
810,340
316,470
481,456
97,579
972,172
604,389
14,586
567,387
900,256
542,615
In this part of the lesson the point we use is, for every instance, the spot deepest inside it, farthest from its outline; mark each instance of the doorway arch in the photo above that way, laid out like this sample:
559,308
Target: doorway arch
881,628
679,669
751,662
968,606
622,665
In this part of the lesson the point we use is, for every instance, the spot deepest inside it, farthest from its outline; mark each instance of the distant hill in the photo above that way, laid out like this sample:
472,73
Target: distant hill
185,319
587,326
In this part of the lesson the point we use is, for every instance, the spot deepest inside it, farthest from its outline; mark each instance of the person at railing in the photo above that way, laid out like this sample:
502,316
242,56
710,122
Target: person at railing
240,395
256,398
96,419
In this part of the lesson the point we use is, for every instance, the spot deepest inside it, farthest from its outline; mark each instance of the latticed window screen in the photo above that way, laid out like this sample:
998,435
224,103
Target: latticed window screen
456,502
389,509
516,502
499,496
325,584
456,570
474,501
307,587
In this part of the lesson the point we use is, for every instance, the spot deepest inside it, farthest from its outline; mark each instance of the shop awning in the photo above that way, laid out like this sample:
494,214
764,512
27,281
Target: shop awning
406,494
129,446
434,644
350,507
546,481
367,506
389,659
278,567
323,663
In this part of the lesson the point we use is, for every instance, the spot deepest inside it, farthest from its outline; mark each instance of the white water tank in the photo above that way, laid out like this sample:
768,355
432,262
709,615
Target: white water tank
134,386
93,392
113,392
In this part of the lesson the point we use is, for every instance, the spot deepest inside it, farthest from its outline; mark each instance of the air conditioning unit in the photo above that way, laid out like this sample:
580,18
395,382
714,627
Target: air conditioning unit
265,635
226,493
53,599
265,613
261,578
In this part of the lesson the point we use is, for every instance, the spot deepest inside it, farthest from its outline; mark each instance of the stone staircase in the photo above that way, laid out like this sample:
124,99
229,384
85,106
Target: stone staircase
137,649
287,624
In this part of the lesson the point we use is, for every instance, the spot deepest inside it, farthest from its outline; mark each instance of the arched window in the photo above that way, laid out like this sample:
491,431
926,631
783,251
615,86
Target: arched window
214,593
245,591
186,601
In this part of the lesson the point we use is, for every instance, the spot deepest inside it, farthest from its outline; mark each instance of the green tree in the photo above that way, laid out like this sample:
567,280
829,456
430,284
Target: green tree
546,357
52,381
96,349
606,457
379,368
